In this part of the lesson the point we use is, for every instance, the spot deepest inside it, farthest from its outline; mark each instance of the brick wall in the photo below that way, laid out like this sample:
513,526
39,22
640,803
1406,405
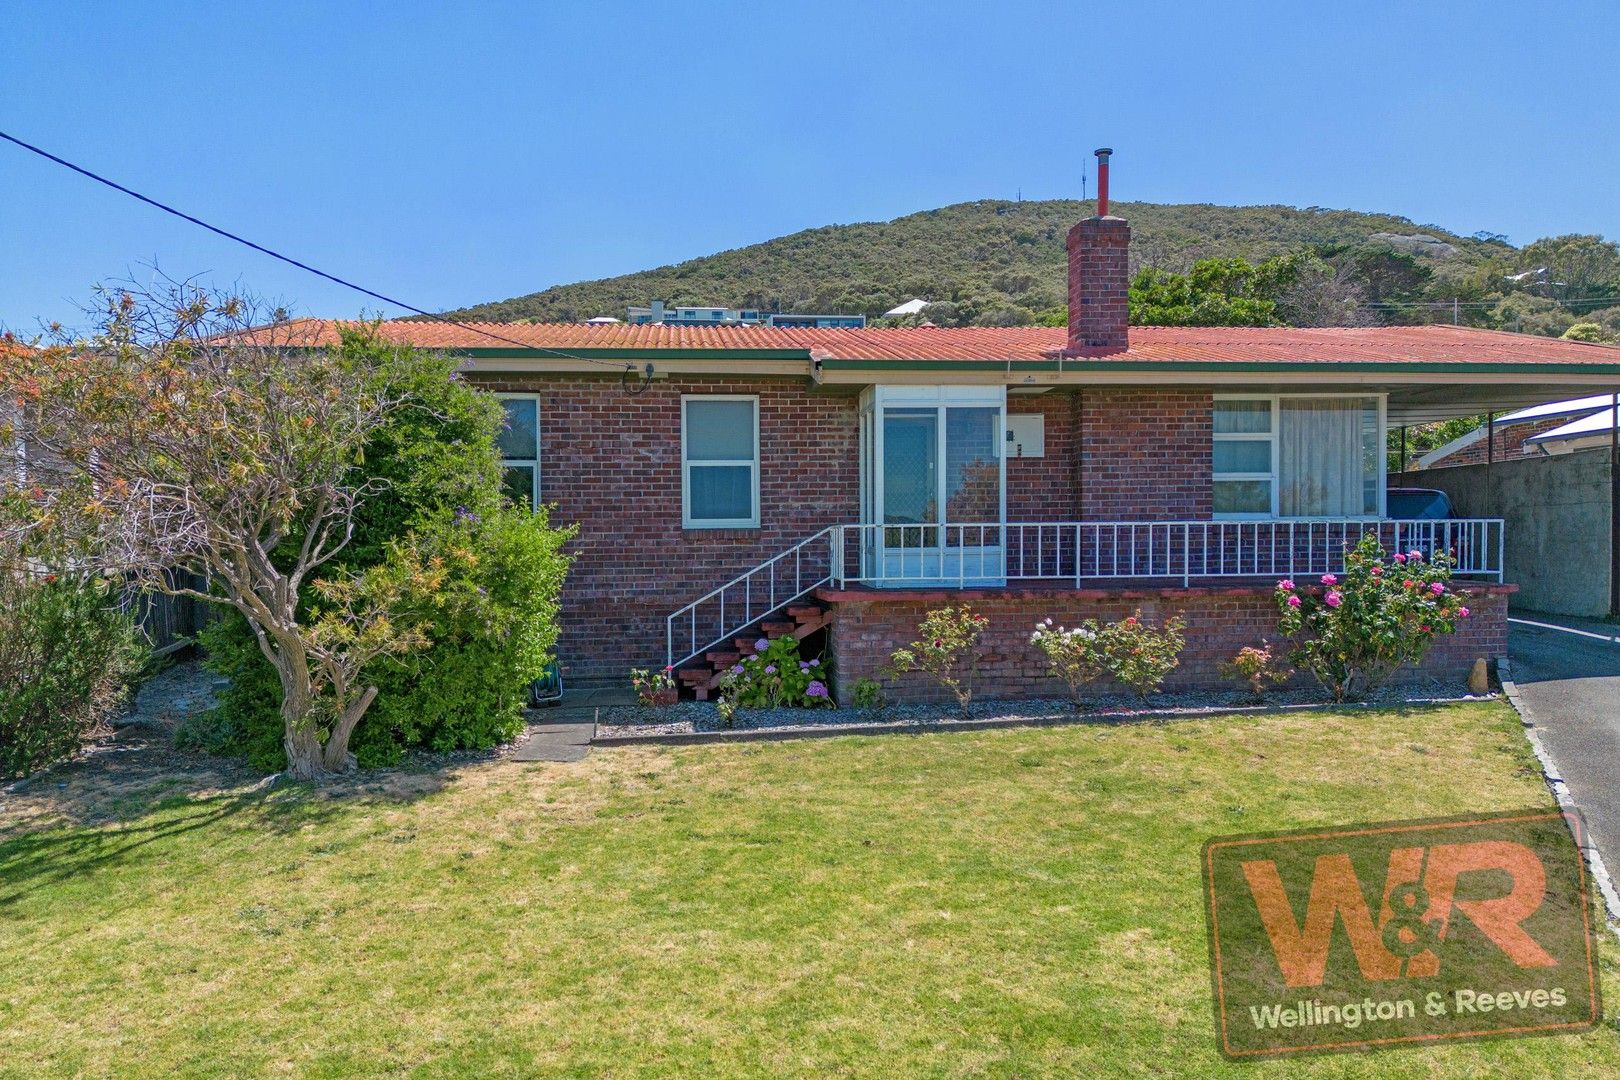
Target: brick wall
1043,488
1219,622
1145,453
612,464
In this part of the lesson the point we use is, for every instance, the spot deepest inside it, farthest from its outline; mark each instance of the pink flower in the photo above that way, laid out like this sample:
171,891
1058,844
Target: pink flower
1399,557
1378,571
1424,628
1332,599
1415,555
1286,585
1462,613
1293,601
1436,588
1329,579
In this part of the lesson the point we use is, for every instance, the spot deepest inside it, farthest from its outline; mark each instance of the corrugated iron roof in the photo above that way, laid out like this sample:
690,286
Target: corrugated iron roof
1387,345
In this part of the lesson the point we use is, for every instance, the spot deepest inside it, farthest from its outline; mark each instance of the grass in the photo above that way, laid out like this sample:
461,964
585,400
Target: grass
1007,903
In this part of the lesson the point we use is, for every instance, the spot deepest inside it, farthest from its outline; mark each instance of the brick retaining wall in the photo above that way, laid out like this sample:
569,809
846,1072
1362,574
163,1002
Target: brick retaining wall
869,624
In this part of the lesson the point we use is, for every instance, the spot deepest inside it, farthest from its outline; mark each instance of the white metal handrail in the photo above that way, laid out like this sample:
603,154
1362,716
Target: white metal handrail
722,613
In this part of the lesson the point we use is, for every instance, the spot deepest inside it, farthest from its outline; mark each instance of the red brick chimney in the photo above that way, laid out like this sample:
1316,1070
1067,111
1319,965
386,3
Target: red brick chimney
1099,279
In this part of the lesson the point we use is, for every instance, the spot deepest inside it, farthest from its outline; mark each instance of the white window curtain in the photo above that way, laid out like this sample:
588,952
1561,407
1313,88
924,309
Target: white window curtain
1326,468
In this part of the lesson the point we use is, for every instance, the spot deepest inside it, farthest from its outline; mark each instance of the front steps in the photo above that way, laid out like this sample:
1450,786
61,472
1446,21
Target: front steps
702,674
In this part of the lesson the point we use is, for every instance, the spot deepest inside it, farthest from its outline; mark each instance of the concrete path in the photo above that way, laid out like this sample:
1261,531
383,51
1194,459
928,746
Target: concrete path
1568,676
568,740
562,732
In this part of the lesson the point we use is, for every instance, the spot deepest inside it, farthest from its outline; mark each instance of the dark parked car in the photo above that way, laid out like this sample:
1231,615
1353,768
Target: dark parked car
1434,527
1423,504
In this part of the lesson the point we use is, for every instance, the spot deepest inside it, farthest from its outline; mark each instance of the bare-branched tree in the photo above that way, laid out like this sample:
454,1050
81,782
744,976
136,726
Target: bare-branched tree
194,437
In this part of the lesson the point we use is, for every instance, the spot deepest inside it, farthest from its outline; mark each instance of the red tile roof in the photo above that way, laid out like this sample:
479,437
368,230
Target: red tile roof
1384,345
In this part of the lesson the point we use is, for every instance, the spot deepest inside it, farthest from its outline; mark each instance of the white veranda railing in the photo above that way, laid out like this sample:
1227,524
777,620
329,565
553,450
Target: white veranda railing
1076,553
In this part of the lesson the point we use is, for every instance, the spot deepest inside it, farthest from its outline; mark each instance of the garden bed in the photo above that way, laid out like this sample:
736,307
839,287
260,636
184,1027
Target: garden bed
625,722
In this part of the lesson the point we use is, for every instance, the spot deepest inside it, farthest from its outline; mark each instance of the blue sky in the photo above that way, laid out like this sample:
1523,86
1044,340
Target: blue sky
448,154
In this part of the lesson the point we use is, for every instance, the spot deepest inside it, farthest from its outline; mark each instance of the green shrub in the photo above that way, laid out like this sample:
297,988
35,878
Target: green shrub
67,656
1361,627
653,687
946,650
868,696
776,676
491,625
1257,668
1139,656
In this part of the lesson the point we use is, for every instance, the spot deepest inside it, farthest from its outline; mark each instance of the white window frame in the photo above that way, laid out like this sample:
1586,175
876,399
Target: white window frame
512,463
687,520
1273,437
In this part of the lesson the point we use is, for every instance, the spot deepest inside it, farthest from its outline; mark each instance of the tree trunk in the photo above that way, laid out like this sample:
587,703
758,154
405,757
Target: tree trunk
338,758
299,735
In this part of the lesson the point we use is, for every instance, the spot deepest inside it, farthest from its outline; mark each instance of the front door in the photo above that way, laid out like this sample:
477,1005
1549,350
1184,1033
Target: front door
938,486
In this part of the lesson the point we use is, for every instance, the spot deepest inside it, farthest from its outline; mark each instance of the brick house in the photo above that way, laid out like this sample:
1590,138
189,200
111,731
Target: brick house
836,483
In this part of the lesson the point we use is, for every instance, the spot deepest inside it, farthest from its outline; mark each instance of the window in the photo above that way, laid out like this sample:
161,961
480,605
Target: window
1298,456
720,462
520,448
1243,455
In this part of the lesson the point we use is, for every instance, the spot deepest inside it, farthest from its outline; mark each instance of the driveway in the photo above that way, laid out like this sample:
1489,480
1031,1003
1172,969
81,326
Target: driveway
1569,681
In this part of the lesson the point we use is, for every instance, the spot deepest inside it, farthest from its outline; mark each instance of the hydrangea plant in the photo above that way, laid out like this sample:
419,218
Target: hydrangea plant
1355,630
775,676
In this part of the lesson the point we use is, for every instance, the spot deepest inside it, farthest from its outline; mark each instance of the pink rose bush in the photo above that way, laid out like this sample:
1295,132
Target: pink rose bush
1364,626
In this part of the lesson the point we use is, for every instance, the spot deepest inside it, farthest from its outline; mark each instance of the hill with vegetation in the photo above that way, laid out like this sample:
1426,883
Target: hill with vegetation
995,262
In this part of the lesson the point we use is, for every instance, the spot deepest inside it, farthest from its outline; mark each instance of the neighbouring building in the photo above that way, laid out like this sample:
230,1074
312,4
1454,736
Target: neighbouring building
738,481
706,315
1518,433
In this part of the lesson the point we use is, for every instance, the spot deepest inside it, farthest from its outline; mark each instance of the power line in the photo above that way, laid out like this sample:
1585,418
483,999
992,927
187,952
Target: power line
289,260
1601,300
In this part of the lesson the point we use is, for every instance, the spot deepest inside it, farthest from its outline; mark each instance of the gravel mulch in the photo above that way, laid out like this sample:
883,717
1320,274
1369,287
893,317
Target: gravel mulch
695,717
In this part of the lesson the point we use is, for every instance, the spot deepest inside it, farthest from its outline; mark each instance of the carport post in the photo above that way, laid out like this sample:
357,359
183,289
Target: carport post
1614,509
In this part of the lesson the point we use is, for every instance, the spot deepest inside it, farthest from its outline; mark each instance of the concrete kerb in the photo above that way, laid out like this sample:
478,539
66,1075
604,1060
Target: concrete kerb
830,731
1555,783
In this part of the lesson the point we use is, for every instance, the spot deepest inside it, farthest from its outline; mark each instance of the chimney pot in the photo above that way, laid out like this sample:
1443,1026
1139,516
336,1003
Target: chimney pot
1102,180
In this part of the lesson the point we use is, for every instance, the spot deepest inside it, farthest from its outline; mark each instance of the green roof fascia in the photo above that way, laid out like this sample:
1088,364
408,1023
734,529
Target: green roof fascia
1087,364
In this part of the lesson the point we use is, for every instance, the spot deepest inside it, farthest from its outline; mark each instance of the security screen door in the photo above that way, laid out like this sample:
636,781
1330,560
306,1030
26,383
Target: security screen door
939,486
